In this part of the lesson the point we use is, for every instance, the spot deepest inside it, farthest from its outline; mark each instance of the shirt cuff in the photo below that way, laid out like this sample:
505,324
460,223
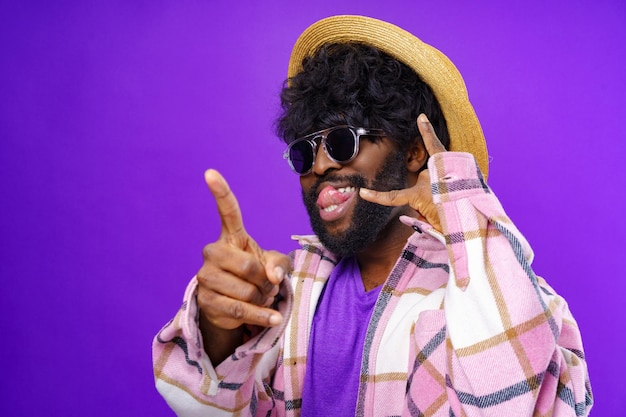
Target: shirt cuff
455,175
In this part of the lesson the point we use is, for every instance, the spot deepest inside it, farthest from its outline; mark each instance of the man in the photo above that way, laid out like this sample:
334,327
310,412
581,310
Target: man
415,297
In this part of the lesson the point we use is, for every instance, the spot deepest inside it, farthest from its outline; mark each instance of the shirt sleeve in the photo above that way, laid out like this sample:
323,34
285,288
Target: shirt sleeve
193,386
513,346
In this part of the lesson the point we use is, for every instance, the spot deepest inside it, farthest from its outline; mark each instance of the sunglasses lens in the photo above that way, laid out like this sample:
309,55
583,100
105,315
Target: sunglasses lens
301,156
341,144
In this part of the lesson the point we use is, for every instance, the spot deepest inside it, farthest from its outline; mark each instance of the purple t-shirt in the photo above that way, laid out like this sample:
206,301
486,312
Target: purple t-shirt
331,382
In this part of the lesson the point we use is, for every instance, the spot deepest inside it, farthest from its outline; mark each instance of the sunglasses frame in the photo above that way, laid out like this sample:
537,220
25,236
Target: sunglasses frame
311,138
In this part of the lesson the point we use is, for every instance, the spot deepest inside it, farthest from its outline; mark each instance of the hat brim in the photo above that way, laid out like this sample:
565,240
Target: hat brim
466,134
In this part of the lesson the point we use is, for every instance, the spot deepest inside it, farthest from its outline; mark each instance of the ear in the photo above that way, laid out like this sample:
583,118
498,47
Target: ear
416,156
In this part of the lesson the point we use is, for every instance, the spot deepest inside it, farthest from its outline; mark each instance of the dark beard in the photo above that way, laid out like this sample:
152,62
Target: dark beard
368,219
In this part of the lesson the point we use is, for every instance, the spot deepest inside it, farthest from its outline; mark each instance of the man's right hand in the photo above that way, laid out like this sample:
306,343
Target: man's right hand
238,280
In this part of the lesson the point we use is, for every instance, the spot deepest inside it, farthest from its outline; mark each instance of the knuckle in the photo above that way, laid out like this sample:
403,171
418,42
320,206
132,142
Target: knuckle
248,268
236,310
248,293
206,276
245,267
206,302
208,251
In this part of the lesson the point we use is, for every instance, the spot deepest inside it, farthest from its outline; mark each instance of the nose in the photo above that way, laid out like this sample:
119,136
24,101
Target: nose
323,163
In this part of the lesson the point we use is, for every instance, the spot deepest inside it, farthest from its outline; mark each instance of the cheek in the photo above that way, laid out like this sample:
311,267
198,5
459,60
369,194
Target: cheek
308,185
306,182
371,159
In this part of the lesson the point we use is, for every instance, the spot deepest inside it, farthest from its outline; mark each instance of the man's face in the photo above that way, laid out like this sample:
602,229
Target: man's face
345,223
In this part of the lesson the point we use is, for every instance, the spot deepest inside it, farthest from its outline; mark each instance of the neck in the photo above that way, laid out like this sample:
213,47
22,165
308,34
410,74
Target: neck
378,259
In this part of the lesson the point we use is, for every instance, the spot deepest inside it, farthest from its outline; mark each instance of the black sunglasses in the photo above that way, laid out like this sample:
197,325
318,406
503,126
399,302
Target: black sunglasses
341,144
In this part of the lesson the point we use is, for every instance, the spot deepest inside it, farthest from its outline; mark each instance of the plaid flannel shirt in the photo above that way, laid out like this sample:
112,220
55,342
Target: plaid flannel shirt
462,327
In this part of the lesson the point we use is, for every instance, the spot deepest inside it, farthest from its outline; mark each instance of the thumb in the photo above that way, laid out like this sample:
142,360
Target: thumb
277,265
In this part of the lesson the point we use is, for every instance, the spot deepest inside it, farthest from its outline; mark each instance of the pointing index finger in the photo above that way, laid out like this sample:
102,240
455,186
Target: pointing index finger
431,141
227,204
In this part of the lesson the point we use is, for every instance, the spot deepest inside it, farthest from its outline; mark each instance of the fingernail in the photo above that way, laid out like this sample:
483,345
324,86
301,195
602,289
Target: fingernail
364,192
423,119
275,319
280,273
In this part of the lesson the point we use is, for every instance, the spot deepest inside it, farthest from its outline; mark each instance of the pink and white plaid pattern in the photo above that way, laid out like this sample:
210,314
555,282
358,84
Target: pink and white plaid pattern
462,327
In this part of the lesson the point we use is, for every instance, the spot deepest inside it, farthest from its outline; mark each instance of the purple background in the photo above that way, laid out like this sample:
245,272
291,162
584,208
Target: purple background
111,111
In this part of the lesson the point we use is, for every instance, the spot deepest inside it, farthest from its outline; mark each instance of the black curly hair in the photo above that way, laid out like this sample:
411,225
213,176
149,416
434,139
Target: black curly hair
357,85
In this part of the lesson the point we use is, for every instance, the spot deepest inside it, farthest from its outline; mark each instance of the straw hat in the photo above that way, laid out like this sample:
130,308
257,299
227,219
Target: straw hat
431,65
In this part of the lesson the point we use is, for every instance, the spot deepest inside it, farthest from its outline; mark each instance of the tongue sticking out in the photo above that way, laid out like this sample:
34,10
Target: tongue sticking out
330,196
